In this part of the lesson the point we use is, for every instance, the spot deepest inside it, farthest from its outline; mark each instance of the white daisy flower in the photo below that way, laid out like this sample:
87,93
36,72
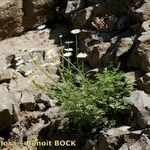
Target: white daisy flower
68,54
68,42
60,36
75,31
82,55
68,49
41,27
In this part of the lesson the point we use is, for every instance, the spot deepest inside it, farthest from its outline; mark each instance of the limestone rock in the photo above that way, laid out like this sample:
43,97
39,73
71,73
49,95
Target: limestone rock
5,75
141,143
146,25
110,139
45,100
143,83
132,77
77,5
37,12
105,23
3,62
8,115
72,6
81,18
142,103
140,55
134,59
144,49
124,46
144,10
118,138
27,102
96,54
10,18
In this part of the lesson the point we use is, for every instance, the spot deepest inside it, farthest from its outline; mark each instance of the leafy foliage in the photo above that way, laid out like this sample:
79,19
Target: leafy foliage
91,102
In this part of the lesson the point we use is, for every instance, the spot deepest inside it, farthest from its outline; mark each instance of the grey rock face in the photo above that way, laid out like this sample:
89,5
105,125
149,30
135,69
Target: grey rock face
8,114
142,103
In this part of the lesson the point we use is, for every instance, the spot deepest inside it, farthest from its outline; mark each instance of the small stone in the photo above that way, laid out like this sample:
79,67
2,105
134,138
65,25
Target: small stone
20,62
5,75
27,102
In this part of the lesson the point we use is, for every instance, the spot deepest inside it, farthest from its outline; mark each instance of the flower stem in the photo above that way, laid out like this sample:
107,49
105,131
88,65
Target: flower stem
77,50
61,43
82,65
69,63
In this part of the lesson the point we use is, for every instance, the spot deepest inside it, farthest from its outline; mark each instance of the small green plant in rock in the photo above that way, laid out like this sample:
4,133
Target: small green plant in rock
88,102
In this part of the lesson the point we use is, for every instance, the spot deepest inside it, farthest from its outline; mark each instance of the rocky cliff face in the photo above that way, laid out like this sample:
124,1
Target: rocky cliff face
113,32
18,16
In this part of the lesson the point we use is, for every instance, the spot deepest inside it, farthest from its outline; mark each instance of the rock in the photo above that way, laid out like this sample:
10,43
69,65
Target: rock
132,77
124,22
146,26
19,84
140,100
122,51
90,145
11,18
96,55
142,103
20,52
5,75
145,62
27,102
105,23
91,73
134,59
37,12
81,19
146,77
21,46
112,5
72,6
8,115
140,84
41,107
124,46
144,47
45,100
144,83
144,37
3,62
143,11
147,87
124,147
141,143
140,55
116,138
87,39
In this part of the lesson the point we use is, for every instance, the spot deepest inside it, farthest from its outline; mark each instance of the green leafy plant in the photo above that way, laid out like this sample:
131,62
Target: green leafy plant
89,102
